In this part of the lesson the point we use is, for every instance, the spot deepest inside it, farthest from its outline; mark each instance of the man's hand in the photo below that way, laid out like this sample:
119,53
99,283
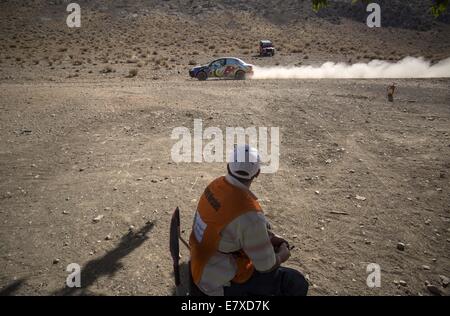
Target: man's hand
277,241
283,253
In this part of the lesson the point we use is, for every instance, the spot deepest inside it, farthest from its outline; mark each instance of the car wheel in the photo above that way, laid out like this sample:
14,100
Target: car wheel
202,76
240,75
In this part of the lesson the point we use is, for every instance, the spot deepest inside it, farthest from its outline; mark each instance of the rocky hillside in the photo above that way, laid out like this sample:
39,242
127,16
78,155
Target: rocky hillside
156,39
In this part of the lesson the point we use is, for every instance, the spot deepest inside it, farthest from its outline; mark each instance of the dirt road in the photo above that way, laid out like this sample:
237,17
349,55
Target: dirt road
86,177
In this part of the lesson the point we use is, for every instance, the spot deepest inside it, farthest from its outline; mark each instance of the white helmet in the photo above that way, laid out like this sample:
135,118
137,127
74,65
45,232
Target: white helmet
244,162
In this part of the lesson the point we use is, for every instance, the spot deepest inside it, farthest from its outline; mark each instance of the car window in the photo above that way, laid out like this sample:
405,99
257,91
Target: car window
232,61
218,63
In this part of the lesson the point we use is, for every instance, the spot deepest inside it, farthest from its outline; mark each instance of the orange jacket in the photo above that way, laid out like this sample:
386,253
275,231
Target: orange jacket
219,205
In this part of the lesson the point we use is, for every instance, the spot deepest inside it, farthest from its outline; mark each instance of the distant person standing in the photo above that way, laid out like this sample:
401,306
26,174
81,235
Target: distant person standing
390,92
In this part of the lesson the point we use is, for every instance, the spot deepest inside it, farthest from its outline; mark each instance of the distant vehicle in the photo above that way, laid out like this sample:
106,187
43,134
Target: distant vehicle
225,67
266,48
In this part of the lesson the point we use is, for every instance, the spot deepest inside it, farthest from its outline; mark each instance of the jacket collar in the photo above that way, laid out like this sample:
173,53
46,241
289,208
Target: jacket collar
236,183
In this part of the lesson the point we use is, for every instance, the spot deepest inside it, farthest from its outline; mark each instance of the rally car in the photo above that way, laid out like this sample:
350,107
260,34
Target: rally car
225,67
266,48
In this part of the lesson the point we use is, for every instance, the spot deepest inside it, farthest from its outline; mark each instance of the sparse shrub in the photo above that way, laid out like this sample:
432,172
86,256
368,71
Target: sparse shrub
192,63
106,70
132,73
132,60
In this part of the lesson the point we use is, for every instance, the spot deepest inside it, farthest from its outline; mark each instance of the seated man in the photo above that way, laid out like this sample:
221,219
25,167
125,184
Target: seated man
232,250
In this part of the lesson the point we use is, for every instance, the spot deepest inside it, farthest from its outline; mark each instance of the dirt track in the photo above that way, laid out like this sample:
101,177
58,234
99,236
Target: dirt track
75,150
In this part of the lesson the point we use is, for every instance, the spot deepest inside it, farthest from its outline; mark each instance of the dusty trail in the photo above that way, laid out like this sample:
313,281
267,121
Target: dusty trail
108,154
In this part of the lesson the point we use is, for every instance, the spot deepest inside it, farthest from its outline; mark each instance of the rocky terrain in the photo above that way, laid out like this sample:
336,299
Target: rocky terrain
86,174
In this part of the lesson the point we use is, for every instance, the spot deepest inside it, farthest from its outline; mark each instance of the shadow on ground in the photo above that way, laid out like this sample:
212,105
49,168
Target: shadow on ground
12,288
108,264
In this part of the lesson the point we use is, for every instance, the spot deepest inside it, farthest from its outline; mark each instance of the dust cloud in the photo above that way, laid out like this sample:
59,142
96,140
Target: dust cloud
408,67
